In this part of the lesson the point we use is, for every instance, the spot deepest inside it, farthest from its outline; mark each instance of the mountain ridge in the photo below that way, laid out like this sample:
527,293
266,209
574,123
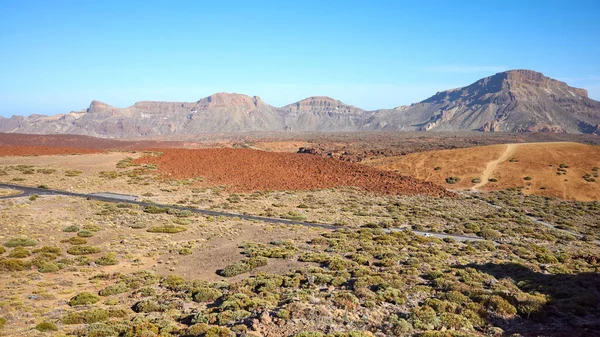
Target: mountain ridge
517,100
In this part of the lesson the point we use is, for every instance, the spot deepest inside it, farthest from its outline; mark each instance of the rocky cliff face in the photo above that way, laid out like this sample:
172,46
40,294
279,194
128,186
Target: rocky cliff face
321,113
512,101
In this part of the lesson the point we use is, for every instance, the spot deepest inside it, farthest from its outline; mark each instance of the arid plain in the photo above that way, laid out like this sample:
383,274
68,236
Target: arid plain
403,251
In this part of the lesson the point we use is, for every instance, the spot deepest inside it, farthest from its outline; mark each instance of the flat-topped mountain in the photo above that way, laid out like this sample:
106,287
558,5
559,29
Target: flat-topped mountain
511,101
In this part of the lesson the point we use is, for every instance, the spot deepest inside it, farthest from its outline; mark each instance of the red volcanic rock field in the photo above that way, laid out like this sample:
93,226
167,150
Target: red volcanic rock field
251,170
43,150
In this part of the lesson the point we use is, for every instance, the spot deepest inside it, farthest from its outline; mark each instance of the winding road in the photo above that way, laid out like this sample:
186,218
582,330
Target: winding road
27,191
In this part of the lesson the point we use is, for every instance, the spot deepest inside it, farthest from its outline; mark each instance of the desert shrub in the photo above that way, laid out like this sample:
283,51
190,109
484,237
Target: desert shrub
46,171
72,173
86,317
217,331
206,295
48,249
283,314
423,317
234,269
137,225
452,180
243,266
493,180
2,250
345,300
146,292
475,180
75,240
85,233
12,265
437,168
293,215
44,186
46,327
71,229
168,228
185,251
310,334
109,259
83,298
48,267
2,322
527,178
148,306
23,242
155,209
172,282
234,198
19,253
500,306
83,250
34,197
114,289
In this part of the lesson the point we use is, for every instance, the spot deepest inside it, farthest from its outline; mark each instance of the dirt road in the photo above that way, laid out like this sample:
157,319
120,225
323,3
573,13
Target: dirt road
492,165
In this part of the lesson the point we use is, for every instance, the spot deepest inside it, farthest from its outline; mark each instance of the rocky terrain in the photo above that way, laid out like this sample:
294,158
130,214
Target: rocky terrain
512,101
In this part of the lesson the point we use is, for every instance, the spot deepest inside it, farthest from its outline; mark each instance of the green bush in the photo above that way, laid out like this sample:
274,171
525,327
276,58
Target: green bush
23,242
83,298
172,282
109,259
85,233
243,266
86,317
148,306
46,327
48,267
19,253
155,209
75,240
72,173
452,180
206,295
83,250
114,289
170,229
12,265
71,229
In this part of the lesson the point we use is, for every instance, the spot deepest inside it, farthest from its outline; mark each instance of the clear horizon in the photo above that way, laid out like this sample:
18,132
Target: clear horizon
58,57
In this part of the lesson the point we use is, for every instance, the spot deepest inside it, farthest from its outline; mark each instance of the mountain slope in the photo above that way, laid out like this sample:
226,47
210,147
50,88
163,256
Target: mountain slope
321,113
512,101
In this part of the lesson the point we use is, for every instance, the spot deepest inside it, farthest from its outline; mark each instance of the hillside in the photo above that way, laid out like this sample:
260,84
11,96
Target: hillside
549,169
512,101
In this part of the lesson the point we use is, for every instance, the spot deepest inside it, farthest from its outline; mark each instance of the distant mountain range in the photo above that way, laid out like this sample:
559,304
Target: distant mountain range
511,101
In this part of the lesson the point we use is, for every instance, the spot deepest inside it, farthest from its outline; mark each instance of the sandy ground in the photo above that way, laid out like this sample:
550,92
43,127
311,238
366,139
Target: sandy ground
509,164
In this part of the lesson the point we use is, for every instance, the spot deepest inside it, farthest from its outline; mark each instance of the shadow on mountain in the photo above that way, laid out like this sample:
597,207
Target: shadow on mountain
572,309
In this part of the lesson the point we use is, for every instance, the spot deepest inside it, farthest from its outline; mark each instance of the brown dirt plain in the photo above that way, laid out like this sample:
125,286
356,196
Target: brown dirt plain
539,161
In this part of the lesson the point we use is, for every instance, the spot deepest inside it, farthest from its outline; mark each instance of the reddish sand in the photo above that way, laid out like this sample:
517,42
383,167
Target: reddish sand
42,151
536,161
251,170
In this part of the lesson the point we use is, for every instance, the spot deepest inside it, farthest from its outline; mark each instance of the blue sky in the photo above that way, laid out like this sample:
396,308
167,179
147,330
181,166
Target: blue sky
57,56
